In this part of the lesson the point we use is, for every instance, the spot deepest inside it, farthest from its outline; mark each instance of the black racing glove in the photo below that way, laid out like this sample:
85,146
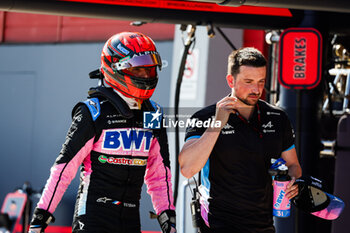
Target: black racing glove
167,221
41,218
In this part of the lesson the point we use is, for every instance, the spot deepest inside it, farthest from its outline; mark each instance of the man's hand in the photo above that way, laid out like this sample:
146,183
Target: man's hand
292,190
224,108
41,218
167,221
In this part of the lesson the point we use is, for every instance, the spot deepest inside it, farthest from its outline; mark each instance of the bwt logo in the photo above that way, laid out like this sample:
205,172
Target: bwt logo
279,199
139,140
152,120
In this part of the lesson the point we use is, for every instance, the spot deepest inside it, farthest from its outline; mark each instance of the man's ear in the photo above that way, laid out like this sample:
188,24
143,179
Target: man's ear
230,80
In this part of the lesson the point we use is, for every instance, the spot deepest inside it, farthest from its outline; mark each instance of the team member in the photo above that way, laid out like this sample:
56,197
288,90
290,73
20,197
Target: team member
236,190
115,152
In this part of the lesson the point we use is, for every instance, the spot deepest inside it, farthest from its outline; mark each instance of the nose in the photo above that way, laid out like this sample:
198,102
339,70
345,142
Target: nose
255,89
143,72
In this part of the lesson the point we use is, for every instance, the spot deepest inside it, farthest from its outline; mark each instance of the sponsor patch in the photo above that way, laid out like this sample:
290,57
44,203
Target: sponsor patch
121,48
122,161
273,113
127,139
227,132
268,127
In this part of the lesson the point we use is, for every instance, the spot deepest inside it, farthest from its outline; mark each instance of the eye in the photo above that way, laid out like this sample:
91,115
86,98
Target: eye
136,69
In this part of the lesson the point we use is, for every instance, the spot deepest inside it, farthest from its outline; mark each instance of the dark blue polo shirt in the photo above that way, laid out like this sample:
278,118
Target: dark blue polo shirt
236,173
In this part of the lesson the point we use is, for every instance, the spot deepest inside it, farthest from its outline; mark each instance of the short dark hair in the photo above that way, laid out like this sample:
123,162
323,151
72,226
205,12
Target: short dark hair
247,56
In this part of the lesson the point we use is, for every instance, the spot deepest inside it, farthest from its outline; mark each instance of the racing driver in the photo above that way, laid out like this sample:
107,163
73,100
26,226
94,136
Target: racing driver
115,153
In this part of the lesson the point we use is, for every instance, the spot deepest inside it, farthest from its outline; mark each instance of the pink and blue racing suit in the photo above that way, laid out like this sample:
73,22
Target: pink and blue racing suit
116,155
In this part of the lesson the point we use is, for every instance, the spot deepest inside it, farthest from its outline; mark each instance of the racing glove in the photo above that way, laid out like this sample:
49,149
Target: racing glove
167,221
41,218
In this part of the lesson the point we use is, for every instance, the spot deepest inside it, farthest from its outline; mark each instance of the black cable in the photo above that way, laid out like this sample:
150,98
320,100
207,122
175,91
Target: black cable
195,189
195,181
188,44
226,38
189,186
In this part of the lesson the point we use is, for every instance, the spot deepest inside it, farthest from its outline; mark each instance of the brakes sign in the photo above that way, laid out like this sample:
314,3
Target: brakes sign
300,58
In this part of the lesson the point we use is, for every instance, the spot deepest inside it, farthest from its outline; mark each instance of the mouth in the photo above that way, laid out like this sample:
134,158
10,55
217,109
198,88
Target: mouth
253,96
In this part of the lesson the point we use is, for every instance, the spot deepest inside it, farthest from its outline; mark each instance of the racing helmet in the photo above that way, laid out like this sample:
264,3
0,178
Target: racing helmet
125,51
313,199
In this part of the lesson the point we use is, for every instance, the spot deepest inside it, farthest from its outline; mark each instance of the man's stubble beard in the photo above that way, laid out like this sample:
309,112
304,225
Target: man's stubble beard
246,101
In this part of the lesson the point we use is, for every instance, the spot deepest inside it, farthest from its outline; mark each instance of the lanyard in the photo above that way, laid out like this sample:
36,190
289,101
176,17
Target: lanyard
246,122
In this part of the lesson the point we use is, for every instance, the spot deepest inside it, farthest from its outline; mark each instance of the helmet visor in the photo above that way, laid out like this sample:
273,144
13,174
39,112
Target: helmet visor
312,199
333,210
151,59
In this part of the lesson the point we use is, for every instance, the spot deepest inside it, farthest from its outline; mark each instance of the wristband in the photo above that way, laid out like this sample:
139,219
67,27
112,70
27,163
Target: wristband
41,218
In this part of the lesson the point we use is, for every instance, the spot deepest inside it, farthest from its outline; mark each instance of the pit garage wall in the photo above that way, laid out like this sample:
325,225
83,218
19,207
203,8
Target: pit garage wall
39,85
38,28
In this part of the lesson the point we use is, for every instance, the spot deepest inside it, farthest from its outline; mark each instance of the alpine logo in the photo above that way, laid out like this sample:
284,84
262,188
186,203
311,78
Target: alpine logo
227,129
268,125
228,126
